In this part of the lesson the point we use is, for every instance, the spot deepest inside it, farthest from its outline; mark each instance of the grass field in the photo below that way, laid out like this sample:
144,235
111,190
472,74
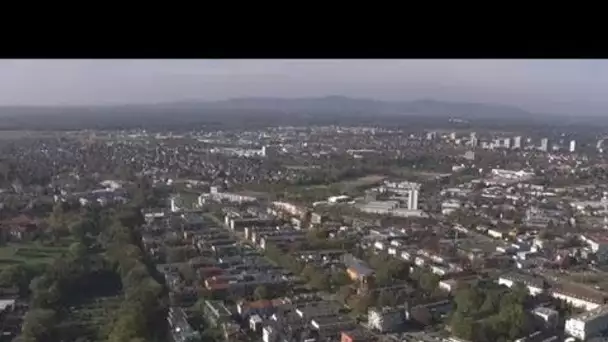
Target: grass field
417,175
350,185
18,253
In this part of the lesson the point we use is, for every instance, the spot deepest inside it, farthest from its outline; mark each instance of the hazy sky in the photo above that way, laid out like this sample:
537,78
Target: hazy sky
565,86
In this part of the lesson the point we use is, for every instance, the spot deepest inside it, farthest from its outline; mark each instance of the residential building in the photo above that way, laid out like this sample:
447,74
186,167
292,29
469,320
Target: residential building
588,324
357,335
181,331
577,296
216,312
535,285
572,146
358,271
547,316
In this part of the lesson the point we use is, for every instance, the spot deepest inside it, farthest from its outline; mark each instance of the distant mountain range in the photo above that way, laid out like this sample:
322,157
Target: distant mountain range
301,106
357,106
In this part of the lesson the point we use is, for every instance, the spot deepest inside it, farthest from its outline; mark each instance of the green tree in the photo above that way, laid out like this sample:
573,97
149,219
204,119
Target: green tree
57,219
78,249
39,325
340,278
462,326
428,282
344,292
261,292
130,324
20,275
491,303
320,281
468,300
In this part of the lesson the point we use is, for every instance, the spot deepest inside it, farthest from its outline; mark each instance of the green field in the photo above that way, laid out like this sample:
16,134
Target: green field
19,253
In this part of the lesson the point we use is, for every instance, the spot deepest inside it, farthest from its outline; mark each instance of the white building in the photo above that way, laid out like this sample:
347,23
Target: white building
510,174
548,316
449,206
289,208
473,140
544,144
598,245
215,195
517,142
408,189
580,301
572,145
338,199
588,324
534,285
174,206
495,234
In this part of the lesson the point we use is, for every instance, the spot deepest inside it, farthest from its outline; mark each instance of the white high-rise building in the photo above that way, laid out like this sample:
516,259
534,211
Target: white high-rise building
517,142
544,144
412,203
453,136
404,189
506,143
572,145
473,139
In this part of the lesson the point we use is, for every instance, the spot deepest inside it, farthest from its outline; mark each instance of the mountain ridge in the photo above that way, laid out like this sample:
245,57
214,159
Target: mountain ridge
303,106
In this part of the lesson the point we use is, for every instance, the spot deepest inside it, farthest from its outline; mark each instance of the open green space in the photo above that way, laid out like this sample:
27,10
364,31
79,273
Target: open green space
19,253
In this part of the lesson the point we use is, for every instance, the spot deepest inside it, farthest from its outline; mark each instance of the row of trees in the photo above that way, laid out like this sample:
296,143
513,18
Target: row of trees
142,314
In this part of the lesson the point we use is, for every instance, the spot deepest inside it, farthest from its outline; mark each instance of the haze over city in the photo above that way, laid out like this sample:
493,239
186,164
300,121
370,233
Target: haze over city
542,86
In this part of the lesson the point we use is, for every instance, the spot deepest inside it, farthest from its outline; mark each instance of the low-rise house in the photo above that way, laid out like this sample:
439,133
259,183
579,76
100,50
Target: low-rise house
357,269
547,317
20,228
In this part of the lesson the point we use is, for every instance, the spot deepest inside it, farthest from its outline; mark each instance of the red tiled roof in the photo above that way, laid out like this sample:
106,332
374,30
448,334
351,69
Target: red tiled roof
20,220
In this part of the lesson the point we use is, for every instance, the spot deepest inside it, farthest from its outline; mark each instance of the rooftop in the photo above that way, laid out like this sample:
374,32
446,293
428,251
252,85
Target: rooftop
593,314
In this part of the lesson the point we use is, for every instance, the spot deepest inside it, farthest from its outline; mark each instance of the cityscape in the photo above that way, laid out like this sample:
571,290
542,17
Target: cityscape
302,220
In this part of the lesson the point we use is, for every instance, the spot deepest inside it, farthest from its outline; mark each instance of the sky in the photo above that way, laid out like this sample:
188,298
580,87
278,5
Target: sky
543,86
